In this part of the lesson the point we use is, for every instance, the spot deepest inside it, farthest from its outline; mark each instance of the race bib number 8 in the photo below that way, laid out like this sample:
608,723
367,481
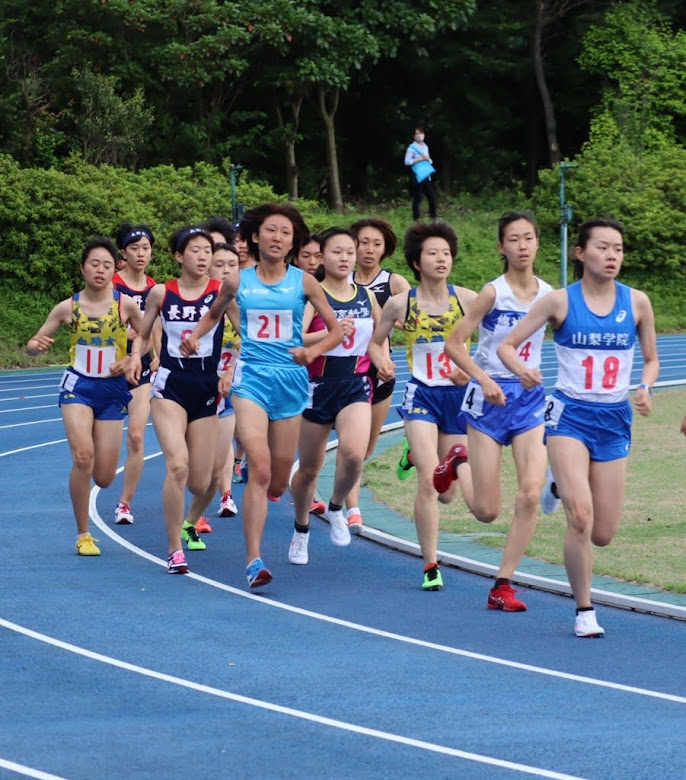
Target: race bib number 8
553,411
431,365
275,325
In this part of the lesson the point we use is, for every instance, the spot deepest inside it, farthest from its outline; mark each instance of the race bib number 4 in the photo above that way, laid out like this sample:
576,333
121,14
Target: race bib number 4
431,365
276,325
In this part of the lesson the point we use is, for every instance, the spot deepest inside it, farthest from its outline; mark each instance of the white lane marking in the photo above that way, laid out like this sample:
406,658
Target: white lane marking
28,771
271,707
28,397
27,409
31,447
35,422
30,387
100,523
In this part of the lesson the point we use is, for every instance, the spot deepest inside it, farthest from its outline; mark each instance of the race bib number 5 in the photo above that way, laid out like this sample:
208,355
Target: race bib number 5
275,325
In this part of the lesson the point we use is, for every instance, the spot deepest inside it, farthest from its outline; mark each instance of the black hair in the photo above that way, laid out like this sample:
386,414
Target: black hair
128,234
585,231
98,242
418,233
253,219
227,247
390,240
326,235
507,219
223,226
181,236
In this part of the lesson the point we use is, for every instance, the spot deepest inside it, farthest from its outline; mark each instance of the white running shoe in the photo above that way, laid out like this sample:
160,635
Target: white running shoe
586,625
339,531
297,552
227,507
122,514
549,501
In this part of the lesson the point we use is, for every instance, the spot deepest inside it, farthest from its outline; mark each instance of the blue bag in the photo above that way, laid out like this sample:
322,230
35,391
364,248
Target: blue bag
422,169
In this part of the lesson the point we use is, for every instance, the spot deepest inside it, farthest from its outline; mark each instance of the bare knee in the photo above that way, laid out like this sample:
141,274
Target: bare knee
134,441
84,459
601,538
177,471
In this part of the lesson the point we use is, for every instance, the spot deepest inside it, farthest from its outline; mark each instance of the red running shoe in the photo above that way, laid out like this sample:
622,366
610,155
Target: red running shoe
202,526
446,471
503,597
317,508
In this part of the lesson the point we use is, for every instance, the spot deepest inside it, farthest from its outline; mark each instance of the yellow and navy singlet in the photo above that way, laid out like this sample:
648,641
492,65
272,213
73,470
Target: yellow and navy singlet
426,335
96,342
231,344
350,357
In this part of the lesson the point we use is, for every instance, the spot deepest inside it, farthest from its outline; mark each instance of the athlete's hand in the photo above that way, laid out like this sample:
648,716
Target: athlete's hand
386,370
644,403
531,378
133,369
302,355
154,364
189,346
459,377
493,392
119,367
347,326
224,385
42,345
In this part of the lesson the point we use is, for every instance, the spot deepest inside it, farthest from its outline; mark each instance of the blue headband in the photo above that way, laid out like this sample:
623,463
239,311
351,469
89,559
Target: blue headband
184,235
134,235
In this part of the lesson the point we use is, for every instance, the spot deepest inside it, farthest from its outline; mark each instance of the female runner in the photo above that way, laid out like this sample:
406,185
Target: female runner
588,417
93,391
270,385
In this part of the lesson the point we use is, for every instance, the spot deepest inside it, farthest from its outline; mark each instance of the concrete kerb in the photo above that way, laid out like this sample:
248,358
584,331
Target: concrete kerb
559,586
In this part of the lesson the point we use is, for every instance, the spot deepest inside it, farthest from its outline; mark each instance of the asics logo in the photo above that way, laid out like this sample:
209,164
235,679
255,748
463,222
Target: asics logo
621,316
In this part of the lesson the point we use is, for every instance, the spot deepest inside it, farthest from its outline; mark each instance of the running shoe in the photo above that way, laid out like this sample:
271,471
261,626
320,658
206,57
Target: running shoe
338,532
202,525
237,476
190,535
503,597
354,517
176,563
446,471
85,545
433,579
586,625
122,514
257,573
317,508
271,497
405,465
227,506
549,501
297,552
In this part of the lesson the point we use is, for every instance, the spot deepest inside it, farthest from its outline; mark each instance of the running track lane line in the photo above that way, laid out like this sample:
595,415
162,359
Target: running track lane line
100,523
28,771
277,708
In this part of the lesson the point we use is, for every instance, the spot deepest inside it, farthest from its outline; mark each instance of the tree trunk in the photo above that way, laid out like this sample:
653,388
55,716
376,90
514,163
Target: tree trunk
328,114
548,110
290,134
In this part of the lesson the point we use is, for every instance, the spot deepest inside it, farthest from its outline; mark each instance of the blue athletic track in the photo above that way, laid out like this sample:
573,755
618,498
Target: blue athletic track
342,668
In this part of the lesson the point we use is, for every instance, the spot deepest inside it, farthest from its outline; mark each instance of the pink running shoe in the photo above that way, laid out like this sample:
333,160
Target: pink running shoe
446,471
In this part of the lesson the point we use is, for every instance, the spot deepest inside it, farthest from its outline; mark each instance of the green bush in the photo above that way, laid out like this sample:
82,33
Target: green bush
647,193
